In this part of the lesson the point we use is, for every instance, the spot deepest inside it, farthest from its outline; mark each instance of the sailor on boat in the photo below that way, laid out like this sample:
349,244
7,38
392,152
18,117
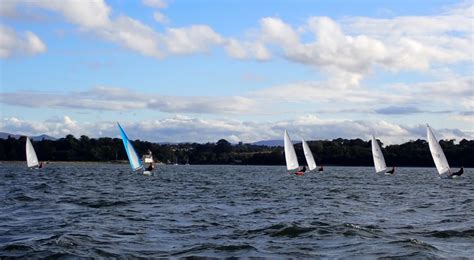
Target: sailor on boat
150,167
392,171
303,169
320,169
40,165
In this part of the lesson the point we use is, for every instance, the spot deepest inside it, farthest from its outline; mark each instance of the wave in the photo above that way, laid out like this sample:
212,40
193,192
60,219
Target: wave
24,198
291,231
96,204
371,231
42,186
469,233
233,248
415,243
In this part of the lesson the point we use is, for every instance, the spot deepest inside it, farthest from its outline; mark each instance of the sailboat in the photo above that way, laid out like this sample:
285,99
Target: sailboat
379,160
31,158
132,155
438,155
290,155
308,155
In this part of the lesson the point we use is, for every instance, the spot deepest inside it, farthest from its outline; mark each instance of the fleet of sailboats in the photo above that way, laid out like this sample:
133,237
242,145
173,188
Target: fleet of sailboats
291,159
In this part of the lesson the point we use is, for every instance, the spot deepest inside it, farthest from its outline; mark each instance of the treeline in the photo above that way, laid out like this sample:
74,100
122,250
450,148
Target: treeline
344,152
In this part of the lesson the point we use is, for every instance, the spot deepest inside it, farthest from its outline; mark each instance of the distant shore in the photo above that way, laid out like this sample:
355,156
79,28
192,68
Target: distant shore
340,152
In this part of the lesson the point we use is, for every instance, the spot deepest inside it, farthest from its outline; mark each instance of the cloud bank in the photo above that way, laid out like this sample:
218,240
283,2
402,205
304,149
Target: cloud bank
181,128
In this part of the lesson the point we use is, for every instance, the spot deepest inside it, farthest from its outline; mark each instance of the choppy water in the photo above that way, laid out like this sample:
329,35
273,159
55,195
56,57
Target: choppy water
101,210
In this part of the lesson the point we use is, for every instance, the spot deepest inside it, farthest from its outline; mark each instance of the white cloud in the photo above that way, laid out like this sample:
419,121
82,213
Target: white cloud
181,128
275,31
159,4
416,42
87,14
188,40
456,91
95,17
326,92
351,47
12,43
133,35
120,99
247,50
8,8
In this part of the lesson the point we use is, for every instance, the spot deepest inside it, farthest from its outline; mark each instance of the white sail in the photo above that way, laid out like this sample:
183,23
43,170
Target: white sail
31,158
290,154
309,156
379,161
132,155
438,155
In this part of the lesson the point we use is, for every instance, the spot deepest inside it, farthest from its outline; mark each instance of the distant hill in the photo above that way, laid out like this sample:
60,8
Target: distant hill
269,143
4,135
41,137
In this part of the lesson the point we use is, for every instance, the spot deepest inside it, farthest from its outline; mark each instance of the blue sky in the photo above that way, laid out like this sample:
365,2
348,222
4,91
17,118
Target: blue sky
242,70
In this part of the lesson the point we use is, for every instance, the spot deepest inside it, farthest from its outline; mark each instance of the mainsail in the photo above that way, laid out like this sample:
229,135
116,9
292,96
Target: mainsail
31,158
290,154
379,161
135,163
309,156
438,155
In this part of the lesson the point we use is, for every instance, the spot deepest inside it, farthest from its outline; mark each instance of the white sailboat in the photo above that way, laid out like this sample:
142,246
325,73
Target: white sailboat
148,158
438,155
290,154
132,155
31,158
308,155
379,160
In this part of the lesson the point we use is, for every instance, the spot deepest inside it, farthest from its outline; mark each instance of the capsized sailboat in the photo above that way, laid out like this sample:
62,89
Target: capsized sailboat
290,155
438,155
308,155
379,160
132,155
31,158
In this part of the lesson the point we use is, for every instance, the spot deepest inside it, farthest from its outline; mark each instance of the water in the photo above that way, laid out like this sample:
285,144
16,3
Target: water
101,210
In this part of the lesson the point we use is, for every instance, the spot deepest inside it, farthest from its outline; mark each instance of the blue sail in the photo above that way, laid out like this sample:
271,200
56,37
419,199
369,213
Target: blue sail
135,162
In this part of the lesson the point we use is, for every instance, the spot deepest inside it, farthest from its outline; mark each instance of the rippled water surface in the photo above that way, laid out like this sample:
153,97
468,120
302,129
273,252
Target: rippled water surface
102,210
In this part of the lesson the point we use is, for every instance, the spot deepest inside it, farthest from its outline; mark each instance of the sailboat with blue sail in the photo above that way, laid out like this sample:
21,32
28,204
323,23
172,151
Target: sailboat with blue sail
133,158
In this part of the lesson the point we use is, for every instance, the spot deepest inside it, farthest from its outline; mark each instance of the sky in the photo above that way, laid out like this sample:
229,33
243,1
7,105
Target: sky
199,71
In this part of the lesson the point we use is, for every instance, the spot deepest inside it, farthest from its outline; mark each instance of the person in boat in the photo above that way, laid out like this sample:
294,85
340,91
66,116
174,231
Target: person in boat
40,165
150,167
392,171
458,173
303,169
320,169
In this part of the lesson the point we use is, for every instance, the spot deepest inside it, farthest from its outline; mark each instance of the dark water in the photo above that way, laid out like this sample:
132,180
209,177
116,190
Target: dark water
101,210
